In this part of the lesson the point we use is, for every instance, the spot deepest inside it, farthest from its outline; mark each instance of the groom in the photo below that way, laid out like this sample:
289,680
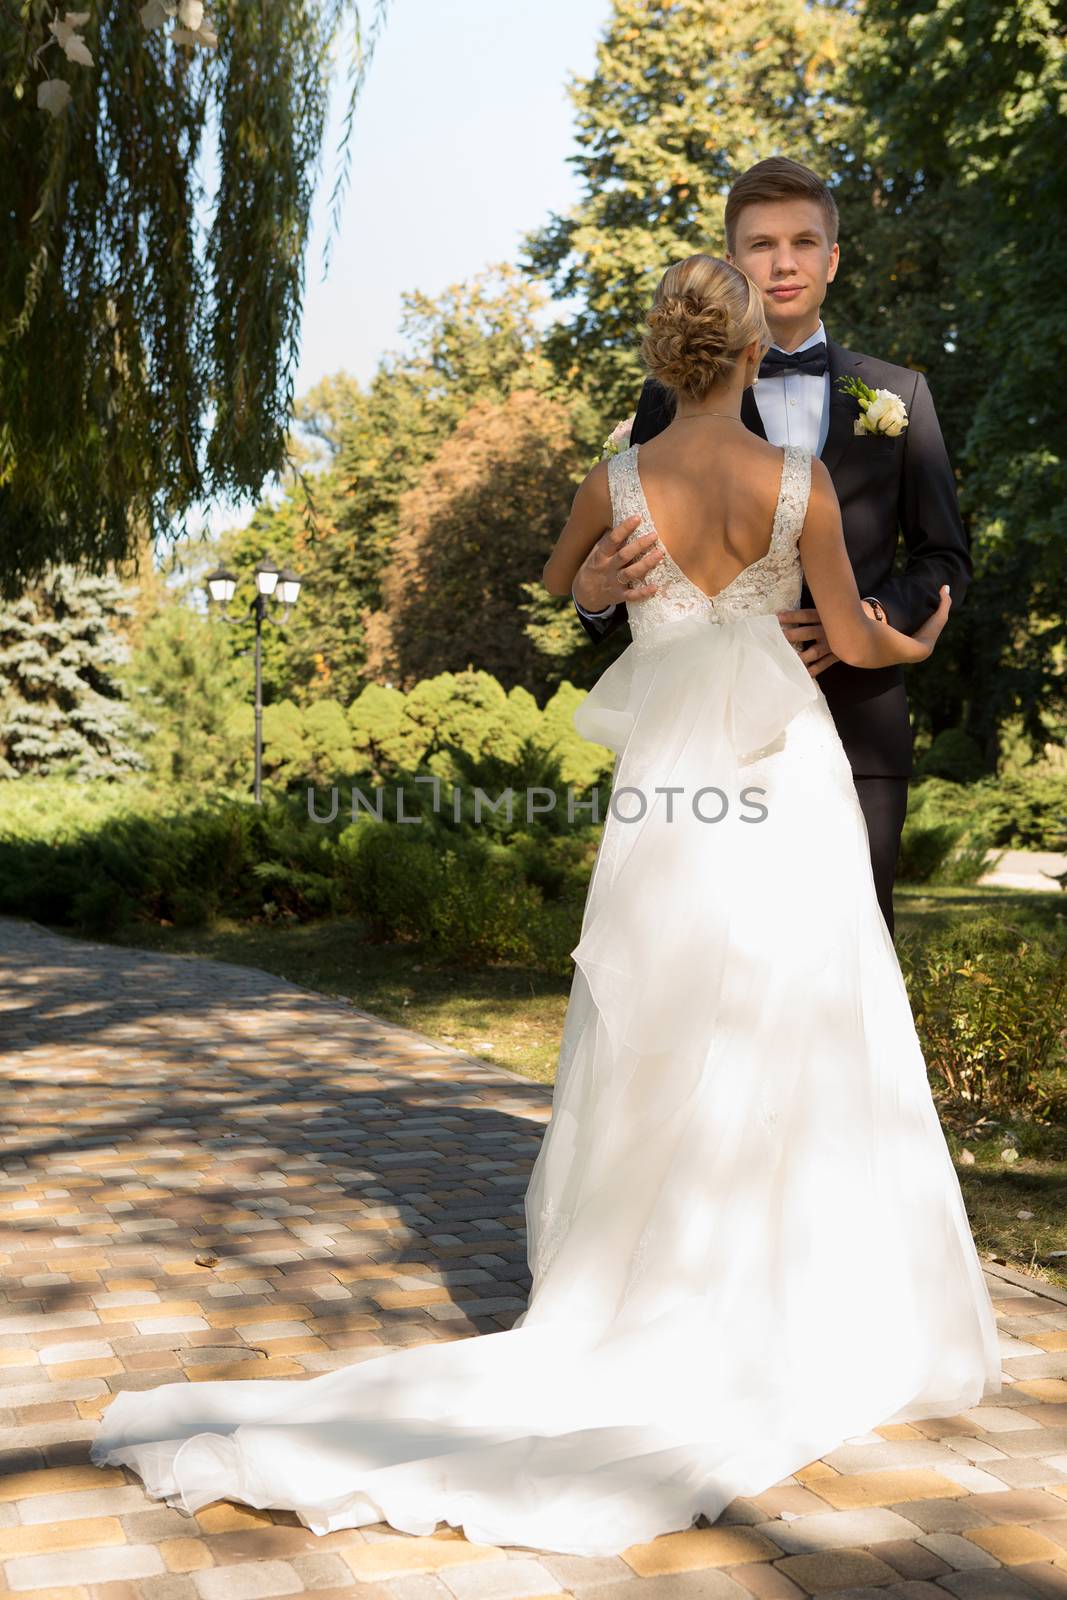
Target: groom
781,228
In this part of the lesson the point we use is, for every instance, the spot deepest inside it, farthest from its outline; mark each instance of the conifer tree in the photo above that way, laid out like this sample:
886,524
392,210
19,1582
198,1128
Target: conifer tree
63,706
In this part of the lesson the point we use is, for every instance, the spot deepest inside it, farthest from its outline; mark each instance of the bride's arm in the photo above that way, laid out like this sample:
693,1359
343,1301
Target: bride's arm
589,520
851,634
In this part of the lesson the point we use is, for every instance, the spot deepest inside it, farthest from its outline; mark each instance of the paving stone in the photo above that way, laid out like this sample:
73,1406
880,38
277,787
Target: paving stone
796,1501
25,1541
321,1571
911,1559
168,1586
22,1485
249,1580
973,1479
1021,1505
943,1516
910,1590
185,1555
420,1586
255,1332
1027,1472
702,1547
1014,1545
835,1530
1034,1441
889,1455
577,1572
764,1581
708,1585
836,1569
986,1585
514,1579
261,1540
1044,1579
957,1551
852,1490
158,1522
975,1450
396,1556
74,1567
1055,1528
107,1502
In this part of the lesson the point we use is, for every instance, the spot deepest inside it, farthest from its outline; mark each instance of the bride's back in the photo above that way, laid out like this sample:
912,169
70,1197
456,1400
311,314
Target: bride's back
711,487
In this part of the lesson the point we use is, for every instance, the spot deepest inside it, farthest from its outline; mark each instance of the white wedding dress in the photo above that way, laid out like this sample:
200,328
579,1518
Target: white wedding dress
747,1239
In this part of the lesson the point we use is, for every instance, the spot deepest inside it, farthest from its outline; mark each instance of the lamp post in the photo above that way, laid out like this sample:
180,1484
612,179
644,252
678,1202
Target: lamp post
285,586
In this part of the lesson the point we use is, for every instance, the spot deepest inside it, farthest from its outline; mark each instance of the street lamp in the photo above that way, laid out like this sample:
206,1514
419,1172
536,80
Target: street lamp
285,586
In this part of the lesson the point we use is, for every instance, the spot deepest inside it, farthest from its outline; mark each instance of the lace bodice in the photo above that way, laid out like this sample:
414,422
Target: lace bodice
773,583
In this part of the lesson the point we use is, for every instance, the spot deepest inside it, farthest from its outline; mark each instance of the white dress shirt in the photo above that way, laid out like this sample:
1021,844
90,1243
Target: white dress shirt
794,408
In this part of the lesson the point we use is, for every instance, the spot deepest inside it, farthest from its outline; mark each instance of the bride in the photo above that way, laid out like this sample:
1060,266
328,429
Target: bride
746,1236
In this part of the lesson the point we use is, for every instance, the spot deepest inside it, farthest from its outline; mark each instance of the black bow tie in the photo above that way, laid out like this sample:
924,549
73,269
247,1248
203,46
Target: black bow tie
813,360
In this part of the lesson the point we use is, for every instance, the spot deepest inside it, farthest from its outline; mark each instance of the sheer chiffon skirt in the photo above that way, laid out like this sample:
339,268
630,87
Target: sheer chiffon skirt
746,1236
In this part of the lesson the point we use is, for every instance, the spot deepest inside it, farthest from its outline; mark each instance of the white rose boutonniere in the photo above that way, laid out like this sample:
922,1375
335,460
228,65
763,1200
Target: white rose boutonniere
881,411
618,439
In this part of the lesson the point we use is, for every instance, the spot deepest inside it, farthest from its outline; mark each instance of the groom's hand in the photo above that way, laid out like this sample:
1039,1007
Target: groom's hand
808,636
613,571
616,572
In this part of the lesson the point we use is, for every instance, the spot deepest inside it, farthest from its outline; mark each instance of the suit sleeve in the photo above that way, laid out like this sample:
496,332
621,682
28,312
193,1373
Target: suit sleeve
938,549
655,409
599,628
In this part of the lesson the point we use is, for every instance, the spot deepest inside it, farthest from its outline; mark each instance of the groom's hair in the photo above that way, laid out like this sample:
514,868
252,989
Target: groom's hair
778,178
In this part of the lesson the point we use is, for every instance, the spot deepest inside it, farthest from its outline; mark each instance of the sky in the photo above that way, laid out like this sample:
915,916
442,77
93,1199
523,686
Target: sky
459,147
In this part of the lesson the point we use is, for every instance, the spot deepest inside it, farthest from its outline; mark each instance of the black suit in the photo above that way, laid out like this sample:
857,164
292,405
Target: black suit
886,487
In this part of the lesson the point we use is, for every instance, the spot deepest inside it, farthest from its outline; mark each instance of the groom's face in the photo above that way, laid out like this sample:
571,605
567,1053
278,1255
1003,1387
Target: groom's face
784,248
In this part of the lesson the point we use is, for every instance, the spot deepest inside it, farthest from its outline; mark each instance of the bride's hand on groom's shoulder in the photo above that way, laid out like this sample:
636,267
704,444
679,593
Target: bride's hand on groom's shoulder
615,571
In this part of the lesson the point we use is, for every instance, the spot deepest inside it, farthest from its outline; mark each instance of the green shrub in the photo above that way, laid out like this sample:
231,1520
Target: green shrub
924,850
484,910
387,877
941,852
1025,810
469,900
989,1007
954,755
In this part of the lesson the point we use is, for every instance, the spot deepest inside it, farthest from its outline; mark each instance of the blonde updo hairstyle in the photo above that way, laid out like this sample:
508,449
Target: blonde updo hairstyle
705,311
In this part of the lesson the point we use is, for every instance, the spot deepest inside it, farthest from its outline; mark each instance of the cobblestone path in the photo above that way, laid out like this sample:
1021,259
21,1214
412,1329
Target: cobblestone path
348,1186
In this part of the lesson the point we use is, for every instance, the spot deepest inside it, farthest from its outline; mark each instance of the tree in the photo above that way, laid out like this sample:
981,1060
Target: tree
968,99
184,673
63,706
477,342
147,342
686,94
479,524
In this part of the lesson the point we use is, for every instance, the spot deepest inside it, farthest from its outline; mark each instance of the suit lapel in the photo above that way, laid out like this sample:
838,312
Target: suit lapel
750,413
843,410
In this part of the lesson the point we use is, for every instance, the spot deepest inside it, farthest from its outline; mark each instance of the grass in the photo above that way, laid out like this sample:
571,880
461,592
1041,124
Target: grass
513,1018
927,908
997,1197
